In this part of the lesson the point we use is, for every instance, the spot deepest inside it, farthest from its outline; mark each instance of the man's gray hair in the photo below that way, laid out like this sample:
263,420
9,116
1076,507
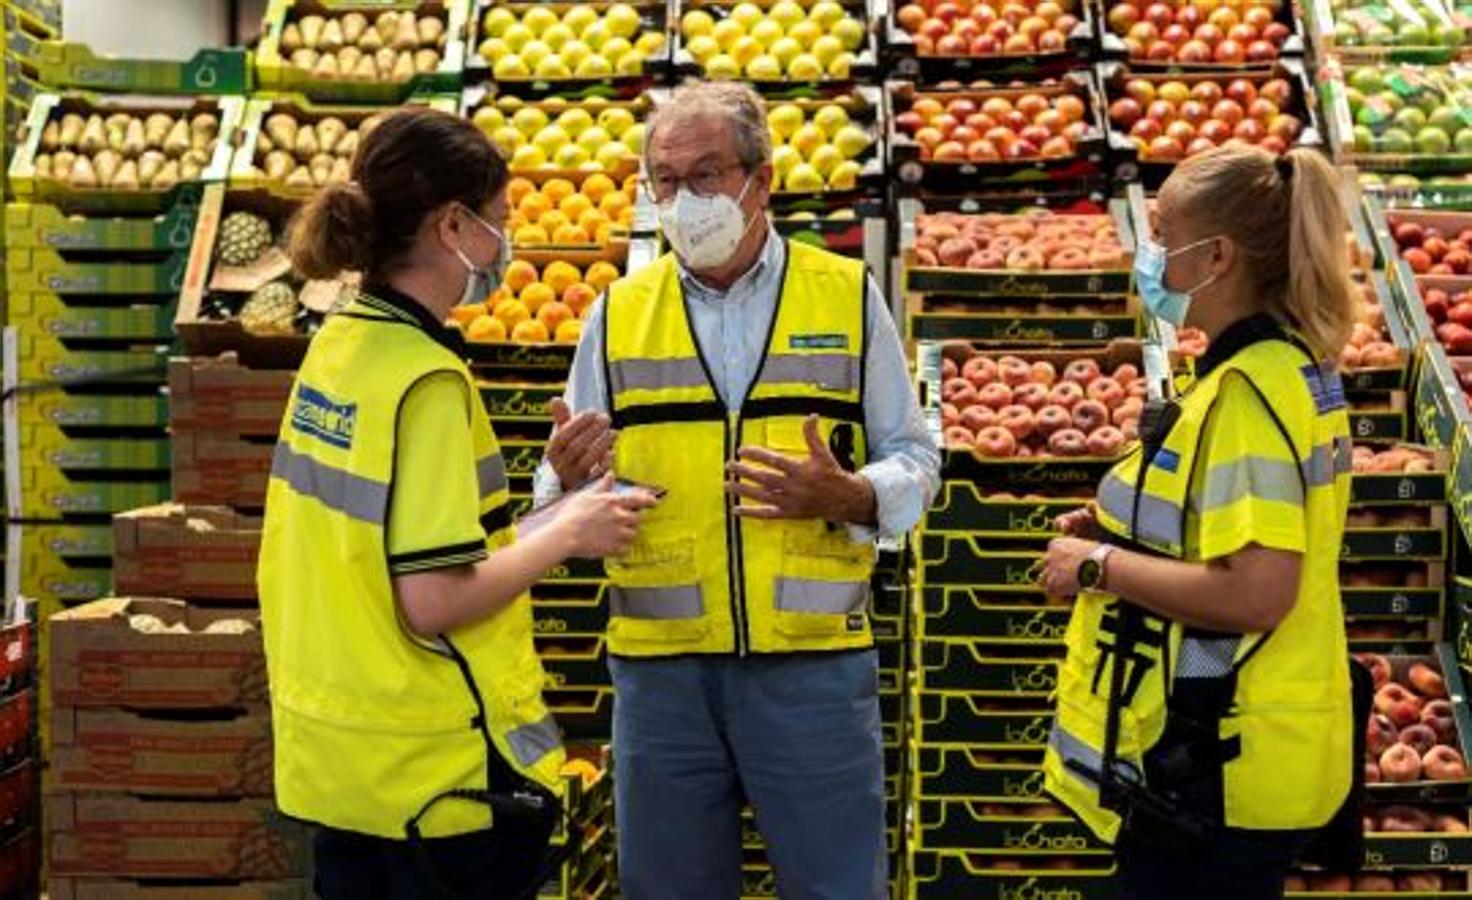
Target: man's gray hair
734,101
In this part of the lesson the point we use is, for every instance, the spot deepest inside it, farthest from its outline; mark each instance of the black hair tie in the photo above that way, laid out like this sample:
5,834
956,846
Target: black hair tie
1284,166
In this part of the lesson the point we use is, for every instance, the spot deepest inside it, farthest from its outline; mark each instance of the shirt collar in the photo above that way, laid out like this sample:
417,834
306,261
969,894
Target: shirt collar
1237,337
389,301
774,252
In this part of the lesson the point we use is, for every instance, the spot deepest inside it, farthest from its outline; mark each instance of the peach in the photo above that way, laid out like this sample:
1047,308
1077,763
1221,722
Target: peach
1017,419
1105,441
1044,373
1014,371
1418,737
958,392
1089,415
1066,394
1399,704
1427,680
1068,442
1032,395
1378,665
1380,734
996,395
996,442
1106,391
1081,372
1399,764
977,417
1444,764
1053,419
958,436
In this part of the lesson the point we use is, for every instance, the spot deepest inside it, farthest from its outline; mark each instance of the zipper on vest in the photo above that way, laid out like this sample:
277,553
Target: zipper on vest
735,568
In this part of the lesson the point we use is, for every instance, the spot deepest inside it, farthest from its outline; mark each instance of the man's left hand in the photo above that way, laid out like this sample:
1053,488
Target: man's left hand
1059,576
813,488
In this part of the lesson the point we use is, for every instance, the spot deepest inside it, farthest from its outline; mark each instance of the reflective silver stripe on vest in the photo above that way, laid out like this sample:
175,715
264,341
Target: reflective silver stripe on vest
682,602
1256,476
832,597
830,371
1071,749
1343,455
530,742
1160,523
491,473
352,495
653,374
1207,657
1322,464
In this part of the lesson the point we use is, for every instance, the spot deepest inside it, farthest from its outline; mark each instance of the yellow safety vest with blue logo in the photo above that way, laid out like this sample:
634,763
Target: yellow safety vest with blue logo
371,723
1282,742
700,579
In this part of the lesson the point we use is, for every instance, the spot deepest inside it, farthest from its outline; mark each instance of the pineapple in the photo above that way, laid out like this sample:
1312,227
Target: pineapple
243,238
271,310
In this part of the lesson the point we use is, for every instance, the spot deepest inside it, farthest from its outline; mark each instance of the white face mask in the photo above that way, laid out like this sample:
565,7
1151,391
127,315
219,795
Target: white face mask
704,231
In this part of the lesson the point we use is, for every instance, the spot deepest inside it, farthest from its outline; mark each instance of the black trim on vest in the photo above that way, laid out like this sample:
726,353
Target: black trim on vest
659,413
436,553
498,519
828,408
1237,337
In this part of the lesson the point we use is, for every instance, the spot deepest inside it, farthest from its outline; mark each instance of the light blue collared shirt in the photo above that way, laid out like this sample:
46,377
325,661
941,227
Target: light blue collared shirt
731,327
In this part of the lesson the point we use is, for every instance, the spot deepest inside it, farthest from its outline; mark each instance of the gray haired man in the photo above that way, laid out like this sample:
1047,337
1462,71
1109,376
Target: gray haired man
763,386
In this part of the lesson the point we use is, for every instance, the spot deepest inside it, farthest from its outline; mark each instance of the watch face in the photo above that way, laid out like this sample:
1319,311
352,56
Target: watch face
1088,573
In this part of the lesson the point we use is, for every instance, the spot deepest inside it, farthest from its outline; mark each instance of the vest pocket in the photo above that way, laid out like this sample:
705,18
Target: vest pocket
823,585
656,593
1296,762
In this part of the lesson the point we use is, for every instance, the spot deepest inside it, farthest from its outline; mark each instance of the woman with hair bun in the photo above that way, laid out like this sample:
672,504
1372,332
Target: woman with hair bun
405,690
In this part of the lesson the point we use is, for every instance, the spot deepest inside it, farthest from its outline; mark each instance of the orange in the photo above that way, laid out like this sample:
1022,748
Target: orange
574,205
583,769
535,295
530,332
554,313
569,332
517,189
626,216
591,221
578,297
597,186
486,328
464,315
613,204
558,275
533,206
512,313
518,275
631,184
558,189
571,234
515,220
530,236
601,275
553,220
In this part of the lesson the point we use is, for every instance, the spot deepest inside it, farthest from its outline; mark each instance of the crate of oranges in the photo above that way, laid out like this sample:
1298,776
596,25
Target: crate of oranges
579,209
535,318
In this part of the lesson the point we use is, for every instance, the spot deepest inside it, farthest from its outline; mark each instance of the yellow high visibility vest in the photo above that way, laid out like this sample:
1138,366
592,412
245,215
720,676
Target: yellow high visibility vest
1286,737
700,579
370,722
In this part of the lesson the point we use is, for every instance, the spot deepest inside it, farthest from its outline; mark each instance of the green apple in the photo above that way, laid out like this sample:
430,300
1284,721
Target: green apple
1364,139
1366,80
1432,141
1411,118
1462,140
1396,140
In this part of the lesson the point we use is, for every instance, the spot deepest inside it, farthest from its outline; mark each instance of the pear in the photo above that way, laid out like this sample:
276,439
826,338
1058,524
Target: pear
105,164
94,136
354,26
347,146
300,177
51,136
332,38
72,126
426,61
431,31
156,129
279,164
149,165
42,165
305,58
371,41
133,141
403,68
83,176
326,67
126,177
312,31
291,38
330,130
167,177
282,129
307,145
177,142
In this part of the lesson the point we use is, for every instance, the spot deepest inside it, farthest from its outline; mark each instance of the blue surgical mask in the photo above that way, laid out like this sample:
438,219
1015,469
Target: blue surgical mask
481,280
1160,301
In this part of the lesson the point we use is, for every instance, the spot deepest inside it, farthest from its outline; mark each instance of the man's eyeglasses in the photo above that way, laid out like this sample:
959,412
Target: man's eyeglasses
705,181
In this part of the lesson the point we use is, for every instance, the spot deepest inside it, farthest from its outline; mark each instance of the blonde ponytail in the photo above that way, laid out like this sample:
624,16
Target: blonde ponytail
1321,298
1287,219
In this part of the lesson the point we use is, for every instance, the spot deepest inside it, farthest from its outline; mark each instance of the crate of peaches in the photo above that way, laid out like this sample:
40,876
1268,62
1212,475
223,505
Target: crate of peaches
359,52
1158,120
1200,34
954,140
1040,404
1428,884
939,39
1416,733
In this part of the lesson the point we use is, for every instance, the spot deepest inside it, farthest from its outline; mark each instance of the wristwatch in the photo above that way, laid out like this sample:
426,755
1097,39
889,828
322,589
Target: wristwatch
1091,570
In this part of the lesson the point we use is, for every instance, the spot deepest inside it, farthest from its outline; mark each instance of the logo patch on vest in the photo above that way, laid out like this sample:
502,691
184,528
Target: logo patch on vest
855,622
817,342
1169,460
318,416
1326,386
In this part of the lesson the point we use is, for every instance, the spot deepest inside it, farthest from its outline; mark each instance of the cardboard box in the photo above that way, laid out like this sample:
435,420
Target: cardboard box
113,834
225,397
221,469
99,658
119,751
62,888
191,552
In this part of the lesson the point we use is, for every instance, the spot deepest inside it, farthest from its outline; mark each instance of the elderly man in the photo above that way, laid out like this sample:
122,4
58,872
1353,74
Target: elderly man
761,384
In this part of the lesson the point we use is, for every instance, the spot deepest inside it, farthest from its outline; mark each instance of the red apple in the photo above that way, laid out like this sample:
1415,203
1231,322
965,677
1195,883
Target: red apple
1261,51
1229,53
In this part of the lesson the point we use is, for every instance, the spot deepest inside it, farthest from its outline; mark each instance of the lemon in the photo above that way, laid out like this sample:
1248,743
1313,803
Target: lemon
575,121
508,68
786,13
616,120
517,36
727,32
784,120
622,20
805,68
805,32
702,47
529,120
851,140
497,20
841,66
508,139
850,32
579,17
831,118
574,52
595,65
825,159
528,156
539,19
695,23
553,67
826,12
747,15
551,139
722,66
786,50
803,179
768,32
534,52
845,176
764,68
784,160
631,63
826,48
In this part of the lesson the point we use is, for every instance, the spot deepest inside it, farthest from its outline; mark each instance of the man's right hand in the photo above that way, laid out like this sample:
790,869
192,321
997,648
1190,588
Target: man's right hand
1081,523
581,447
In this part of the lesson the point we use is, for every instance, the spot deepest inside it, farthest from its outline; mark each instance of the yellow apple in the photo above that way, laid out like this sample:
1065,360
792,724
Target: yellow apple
594,66
764,68
622,20
551,139
512,67
497,20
